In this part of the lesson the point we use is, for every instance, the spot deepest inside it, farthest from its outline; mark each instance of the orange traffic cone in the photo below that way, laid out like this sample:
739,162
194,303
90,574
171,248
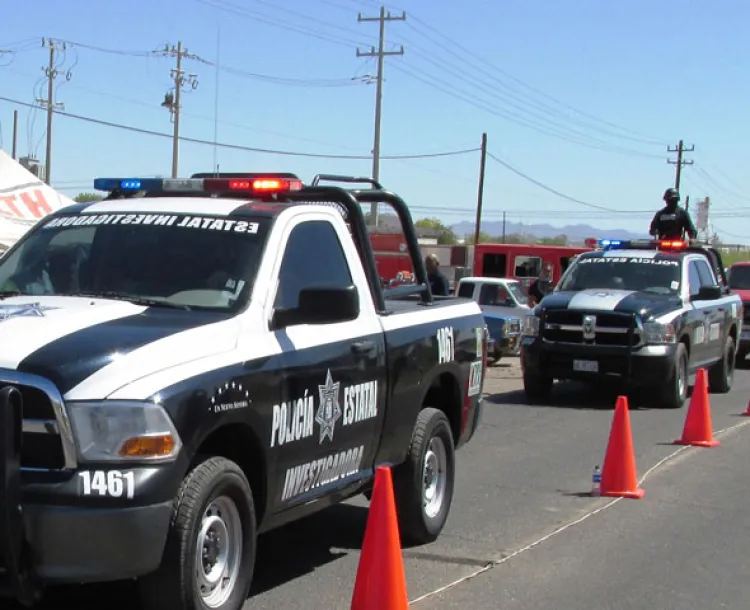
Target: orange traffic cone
619,477
697,430
747,411
381,580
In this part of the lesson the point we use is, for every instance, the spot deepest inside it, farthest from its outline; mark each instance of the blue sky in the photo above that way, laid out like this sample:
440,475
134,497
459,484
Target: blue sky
582,96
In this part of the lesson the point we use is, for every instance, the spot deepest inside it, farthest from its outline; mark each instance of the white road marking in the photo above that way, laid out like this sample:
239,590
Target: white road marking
500,561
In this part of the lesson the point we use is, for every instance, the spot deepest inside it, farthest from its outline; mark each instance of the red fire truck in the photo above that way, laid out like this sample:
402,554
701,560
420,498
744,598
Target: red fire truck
522,261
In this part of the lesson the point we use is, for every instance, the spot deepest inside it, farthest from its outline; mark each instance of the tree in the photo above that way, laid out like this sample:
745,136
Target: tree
87,197
558,240
446,236
483,238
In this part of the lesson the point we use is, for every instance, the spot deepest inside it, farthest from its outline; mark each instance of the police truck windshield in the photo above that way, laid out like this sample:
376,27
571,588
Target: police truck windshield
739,277
660,275
173,260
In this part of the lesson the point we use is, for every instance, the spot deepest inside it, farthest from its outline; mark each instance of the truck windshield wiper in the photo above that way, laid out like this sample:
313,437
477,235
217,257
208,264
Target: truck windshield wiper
131,298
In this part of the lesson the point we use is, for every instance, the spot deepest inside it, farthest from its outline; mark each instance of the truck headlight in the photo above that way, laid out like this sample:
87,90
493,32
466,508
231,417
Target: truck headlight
531,326
120,431
657,333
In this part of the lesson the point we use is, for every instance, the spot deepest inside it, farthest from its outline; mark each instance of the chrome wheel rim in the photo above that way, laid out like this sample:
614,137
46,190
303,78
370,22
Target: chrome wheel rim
218,551
682,380
434,477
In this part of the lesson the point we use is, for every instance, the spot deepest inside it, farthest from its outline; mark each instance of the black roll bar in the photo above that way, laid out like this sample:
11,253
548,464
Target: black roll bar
346,179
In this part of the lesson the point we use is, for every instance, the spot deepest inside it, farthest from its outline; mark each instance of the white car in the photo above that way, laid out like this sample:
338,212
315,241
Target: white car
495,294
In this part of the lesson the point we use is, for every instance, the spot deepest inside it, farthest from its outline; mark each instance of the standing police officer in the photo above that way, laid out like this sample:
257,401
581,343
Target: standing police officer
671,221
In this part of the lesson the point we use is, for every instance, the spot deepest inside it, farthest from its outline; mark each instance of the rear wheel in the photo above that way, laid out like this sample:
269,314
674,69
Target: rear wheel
721,374
423,484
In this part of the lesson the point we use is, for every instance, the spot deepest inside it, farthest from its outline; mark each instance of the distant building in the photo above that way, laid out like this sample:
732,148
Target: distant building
33,165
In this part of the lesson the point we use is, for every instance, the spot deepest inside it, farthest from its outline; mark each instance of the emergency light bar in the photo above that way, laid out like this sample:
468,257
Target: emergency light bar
254,186
659,244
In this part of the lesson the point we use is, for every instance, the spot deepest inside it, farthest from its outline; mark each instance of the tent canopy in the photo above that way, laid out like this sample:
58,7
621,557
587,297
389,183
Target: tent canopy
24,200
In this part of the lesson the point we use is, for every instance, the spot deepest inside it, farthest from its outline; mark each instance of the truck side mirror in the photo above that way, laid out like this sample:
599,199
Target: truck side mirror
320,305
708,293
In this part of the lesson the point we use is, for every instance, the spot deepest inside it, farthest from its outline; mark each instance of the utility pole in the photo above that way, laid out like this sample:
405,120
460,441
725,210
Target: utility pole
50,104
173,101
15,134
480,190
680,162
381,54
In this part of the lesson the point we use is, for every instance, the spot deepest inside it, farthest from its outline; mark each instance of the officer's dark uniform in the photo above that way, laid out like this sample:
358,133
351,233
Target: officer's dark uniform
671,221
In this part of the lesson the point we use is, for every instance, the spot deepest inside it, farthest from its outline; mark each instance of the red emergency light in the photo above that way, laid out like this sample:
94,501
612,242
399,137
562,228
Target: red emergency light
257,185
672,244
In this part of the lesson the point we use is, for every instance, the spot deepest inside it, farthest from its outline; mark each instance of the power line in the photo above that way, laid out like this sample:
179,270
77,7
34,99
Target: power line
275,79
548,188
555,132
483,60
267,151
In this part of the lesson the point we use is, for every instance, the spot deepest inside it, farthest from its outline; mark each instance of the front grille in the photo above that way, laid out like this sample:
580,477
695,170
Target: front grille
611,329
42,443
514,326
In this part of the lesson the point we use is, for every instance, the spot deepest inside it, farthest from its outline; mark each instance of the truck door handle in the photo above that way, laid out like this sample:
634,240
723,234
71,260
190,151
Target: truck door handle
363,347
708,311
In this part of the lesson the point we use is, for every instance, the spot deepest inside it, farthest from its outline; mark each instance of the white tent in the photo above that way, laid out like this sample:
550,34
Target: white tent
24,199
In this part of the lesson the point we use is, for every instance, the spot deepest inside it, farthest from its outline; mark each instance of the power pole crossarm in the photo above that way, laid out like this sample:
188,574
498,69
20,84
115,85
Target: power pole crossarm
50,104
173,101
381,54
679,162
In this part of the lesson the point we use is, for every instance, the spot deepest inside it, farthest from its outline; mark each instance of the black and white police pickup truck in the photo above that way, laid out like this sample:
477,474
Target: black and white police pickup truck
192,362
648,312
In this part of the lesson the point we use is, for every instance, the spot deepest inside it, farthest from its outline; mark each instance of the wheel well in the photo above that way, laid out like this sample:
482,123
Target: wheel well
733,333
238,443
686,342
445,394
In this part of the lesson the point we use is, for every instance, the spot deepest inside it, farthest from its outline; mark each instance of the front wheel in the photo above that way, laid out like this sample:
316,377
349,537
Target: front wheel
423,484
721,374
675,391
537,387
210,552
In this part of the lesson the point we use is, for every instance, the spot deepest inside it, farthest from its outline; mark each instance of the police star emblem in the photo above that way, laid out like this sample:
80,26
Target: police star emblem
329,410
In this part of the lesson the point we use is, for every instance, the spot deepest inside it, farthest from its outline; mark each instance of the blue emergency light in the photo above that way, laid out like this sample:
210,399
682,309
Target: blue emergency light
658,244
611,243
250,186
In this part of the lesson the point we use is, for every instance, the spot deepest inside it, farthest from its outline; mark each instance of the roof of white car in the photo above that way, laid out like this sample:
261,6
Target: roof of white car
489,280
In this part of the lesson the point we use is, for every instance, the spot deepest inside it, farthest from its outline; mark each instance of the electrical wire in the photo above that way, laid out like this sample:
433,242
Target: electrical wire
548,188
270,78
268,151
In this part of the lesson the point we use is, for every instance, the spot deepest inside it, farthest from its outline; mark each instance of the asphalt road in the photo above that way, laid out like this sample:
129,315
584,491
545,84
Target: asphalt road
524,532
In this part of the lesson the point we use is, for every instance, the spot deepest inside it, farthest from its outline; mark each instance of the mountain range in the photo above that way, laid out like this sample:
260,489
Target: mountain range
575,233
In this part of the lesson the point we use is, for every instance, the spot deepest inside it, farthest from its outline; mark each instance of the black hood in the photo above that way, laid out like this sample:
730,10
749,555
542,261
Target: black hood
71,358
645,304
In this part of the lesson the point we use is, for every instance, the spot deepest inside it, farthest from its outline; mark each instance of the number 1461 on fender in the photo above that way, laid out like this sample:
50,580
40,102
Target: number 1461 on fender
107,483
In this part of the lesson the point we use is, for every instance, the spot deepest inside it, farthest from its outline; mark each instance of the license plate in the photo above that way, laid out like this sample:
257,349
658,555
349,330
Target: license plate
586,366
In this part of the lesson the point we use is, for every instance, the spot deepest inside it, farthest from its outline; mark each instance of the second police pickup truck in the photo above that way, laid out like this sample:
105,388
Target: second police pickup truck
192,362
648,312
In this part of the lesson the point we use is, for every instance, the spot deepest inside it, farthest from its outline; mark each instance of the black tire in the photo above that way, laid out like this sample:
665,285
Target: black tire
721,374
537,387
175,584
420,524
674,393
